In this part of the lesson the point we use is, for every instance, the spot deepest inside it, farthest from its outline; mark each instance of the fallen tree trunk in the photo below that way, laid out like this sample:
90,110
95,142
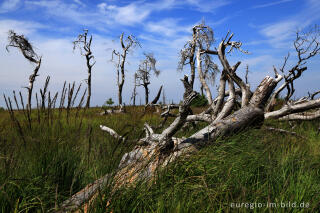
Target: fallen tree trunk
157,150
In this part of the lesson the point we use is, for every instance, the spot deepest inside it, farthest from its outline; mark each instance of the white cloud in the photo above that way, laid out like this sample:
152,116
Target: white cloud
25,28
207,6
74,11
281,33
271,4
79,2
166,27
127,15
9,5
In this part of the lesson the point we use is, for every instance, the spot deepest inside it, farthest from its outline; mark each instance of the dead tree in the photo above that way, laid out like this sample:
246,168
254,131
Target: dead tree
187,56
22,43
84,44
156,150
306,46
147,66
134,92
120,59
202,38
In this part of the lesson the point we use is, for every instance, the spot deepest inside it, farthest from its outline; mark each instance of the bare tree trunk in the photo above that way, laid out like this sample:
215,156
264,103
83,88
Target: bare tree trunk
163,97
120,86
134,96
192,72
85,46
156,99
146,90
202,79
122,76
134,93
89,88
32,79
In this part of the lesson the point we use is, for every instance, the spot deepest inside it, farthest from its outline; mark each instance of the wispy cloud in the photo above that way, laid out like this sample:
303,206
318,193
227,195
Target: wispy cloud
8,5
21,27
271,4
207,6
167,27
126,15
280,33
67,11
79,2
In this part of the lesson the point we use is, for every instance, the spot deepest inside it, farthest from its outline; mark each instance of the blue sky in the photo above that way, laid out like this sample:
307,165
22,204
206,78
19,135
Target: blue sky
266,28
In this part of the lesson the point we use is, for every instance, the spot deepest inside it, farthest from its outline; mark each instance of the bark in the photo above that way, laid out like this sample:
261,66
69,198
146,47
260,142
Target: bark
134,93
121,82
89,87
302,116
32,79
146,91
156,99
294,108
202,79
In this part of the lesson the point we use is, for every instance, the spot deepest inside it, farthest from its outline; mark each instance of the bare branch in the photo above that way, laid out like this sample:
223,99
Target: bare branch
111,132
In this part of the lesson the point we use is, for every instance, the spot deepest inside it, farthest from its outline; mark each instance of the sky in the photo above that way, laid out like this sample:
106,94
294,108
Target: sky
265,27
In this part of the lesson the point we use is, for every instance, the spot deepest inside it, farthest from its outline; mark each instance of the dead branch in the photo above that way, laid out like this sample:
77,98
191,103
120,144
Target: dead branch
111,132
293,108
155,100
306,46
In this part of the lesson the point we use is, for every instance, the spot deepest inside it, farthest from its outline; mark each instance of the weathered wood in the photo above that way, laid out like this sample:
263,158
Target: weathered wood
295,108
156,150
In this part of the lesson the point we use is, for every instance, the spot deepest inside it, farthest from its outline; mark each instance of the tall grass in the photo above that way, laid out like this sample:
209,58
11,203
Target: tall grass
256,166
49,153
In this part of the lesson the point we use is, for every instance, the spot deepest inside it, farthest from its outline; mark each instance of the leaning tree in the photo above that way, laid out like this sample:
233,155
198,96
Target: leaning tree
22,43
83,42
147,66
119,58
156,150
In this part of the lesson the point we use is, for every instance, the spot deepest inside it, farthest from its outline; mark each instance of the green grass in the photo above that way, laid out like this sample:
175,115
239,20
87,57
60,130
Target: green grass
256,166
42,166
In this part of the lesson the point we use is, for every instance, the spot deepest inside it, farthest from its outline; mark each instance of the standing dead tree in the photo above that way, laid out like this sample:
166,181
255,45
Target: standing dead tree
202,38
144,73
187,56
134,92
22,43
83,42
120,59
158,149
